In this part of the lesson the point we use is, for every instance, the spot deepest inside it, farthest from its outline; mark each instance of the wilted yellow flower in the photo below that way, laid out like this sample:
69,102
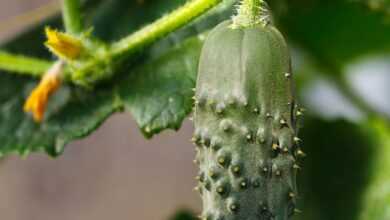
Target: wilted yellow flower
63,45
37,101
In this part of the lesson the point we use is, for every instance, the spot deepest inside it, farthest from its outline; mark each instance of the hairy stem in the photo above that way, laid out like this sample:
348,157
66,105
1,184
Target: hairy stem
71,13
23,65
162,27
250,12
252,8
117,50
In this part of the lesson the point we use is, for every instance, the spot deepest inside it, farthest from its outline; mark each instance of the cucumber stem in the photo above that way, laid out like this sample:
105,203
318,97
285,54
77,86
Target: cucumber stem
251,12
71,14
161,27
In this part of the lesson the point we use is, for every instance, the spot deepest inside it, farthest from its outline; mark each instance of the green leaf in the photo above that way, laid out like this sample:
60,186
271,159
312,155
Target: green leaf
378,5
333,35
335,32
376,199
159,94
336,170
345,175
155,87
71,115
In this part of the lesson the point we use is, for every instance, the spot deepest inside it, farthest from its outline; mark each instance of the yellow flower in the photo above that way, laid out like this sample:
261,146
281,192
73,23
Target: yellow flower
63,45
37,101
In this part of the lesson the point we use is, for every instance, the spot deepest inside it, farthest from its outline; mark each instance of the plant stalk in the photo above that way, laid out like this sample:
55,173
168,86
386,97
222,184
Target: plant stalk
161,27
251,12
23,65
71,14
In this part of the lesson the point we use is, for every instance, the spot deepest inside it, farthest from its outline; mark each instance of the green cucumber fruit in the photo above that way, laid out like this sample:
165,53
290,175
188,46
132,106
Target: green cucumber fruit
245,125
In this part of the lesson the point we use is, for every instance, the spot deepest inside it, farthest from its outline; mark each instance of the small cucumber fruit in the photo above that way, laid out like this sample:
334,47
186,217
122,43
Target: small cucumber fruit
245,125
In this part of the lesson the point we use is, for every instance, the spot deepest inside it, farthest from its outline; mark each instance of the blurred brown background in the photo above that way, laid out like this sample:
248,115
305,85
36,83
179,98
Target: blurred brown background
113,174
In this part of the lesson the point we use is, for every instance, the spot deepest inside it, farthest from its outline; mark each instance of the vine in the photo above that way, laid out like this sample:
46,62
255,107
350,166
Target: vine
87,60
71,13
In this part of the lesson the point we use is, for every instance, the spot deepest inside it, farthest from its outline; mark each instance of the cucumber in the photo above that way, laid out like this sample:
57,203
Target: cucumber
245,125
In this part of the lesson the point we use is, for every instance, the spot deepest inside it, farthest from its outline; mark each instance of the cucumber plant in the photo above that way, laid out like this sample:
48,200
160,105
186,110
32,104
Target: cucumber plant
109,58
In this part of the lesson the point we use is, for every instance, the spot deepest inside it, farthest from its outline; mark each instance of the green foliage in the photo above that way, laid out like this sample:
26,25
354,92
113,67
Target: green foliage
72,114
159,94
353,183
157,90
114,19
335,32
376,197
378,5
335,171
99,62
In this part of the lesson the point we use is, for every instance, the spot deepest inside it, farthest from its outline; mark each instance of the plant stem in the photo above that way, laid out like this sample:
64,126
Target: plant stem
249,13
161,27
71,14
23,65
252,8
